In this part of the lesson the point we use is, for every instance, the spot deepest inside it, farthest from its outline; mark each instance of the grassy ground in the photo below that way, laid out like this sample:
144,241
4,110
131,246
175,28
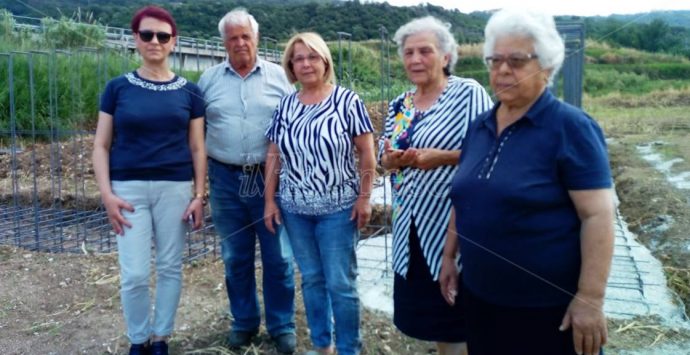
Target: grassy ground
648,199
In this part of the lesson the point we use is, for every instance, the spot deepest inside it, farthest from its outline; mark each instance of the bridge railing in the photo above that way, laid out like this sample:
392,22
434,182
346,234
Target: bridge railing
123,37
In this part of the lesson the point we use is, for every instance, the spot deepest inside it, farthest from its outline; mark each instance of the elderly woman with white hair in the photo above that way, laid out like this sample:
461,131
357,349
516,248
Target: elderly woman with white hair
533,204
421,145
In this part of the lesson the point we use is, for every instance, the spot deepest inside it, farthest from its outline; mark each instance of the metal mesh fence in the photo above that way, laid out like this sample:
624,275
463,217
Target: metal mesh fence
49,199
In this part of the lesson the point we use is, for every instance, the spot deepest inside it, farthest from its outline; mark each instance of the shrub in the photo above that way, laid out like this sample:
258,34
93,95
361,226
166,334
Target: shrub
67,33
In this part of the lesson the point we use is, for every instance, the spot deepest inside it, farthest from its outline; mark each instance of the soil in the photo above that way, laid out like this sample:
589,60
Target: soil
69,303
60,170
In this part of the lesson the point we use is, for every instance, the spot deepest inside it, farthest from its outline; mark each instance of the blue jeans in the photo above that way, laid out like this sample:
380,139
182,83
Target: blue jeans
324,248
157,217
237,209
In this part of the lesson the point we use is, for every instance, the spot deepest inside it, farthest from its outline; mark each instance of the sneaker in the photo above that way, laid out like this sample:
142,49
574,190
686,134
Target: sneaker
159,348
285,343
139,349
239,338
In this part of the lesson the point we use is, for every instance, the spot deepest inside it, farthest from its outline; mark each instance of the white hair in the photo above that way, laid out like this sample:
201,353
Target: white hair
238,17
536,26
441,30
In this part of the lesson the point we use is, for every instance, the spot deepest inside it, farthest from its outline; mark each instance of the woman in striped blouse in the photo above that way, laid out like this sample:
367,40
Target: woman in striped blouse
323,200
421,146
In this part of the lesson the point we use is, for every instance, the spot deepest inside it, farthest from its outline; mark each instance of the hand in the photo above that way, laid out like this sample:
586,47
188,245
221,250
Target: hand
428,158
397,158
448,278
196,211
113,207
271,216
586,316
361,211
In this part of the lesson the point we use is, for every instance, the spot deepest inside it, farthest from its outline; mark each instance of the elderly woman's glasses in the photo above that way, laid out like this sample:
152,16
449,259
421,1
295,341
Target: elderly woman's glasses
515,60
147,36
312,58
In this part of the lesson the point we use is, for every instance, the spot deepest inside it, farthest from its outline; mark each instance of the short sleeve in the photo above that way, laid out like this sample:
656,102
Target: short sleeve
583,158
360,123
108,99
273,131
203,80
287,87
481,102
198,104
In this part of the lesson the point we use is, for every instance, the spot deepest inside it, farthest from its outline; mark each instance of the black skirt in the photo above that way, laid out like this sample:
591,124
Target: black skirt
495,329
420,311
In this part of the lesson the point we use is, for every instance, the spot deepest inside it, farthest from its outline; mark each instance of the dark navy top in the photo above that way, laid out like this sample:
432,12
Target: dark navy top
519,230
151,127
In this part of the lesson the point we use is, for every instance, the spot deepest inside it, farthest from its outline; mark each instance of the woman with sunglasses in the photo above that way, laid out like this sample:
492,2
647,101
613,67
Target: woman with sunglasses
533,205
149,147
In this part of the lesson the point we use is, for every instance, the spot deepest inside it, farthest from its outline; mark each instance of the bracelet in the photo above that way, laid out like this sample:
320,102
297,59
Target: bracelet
201,197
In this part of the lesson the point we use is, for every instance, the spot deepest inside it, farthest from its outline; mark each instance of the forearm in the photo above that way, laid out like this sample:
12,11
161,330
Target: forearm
101,169
198,149
450,249
271,172
199,162
446,157
367,170
450,157
596,244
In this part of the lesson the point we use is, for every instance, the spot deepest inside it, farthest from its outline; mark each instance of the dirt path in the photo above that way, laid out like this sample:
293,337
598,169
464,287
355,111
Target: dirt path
70,304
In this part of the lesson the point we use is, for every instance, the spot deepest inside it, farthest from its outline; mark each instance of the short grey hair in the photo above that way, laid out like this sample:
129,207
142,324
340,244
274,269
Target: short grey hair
238,17
440,29
537,26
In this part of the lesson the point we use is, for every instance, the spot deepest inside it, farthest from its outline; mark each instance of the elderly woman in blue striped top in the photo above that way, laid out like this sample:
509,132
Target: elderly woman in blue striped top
421,146
323,200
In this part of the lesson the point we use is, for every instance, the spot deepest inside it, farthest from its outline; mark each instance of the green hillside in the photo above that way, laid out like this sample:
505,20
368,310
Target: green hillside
659,31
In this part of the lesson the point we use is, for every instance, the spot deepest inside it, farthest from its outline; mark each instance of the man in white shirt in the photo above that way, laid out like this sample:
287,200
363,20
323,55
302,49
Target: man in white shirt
241,95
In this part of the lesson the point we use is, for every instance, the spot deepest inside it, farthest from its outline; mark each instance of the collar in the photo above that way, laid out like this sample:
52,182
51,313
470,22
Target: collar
533,115
257,66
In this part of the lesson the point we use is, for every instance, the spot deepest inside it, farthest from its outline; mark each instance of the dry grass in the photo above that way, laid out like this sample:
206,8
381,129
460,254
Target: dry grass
647,198
658,114
471,50
643,333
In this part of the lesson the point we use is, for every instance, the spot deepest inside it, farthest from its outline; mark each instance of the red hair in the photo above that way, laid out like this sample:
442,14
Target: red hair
156,12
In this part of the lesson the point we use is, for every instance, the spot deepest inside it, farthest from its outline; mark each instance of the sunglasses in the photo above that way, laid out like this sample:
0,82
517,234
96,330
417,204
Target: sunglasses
147,36
514,61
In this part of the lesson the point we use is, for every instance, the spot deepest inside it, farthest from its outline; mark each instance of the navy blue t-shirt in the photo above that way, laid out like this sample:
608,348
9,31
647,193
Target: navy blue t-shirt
519,230
151,127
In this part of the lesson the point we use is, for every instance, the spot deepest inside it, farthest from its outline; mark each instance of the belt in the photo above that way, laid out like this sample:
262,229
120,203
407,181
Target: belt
247,168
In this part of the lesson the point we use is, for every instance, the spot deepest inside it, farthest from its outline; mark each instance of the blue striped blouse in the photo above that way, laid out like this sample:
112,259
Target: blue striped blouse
422,195
318,172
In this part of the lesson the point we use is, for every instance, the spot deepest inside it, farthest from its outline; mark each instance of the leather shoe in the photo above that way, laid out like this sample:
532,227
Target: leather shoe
159,348
239,338
139,349
285,343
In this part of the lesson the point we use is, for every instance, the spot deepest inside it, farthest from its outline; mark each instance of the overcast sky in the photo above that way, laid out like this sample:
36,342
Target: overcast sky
557,7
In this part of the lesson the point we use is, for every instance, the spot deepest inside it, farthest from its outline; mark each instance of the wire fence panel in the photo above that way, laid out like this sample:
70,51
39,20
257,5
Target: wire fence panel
49,199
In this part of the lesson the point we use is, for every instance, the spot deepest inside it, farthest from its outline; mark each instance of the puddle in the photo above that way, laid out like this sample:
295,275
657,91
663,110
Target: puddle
679,180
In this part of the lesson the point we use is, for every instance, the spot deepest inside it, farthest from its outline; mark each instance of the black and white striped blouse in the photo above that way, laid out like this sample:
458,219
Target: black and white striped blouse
318,173
422,195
